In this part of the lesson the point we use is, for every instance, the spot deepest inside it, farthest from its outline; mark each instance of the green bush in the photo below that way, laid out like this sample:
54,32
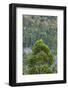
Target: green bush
41,59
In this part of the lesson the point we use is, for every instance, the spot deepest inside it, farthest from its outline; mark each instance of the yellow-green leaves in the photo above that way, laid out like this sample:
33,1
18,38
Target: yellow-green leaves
41,58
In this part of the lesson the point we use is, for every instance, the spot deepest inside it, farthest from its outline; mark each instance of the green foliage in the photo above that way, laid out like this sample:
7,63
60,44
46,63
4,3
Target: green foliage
41,59
36,27
32,70
39,34
46,69
39,45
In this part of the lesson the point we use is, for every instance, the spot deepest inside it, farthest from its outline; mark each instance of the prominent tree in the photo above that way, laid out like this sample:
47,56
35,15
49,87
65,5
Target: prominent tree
41,59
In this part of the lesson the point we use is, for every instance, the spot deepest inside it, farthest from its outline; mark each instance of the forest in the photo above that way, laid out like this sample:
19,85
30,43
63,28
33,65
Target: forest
39,44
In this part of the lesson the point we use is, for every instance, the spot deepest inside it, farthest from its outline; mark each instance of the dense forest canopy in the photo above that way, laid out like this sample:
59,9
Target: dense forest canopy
37,27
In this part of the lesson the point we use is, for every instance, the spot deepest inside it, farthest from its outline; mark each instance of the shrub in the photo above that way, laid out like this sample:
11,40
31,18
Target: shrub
41,59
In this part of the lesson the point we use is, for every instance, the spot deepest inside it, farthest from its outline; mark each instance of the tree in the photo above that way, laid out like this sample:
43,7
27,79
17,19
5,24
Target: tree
41,59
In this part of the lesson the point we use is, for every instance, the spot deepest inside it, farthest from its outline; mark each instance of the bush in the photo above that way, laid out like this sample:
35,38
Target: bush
41,59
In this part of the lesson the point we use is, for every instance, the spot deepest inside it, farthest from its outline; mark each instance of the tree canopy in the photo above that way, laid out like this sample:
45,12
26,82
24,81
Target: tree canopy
39,44
41,59
40,27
